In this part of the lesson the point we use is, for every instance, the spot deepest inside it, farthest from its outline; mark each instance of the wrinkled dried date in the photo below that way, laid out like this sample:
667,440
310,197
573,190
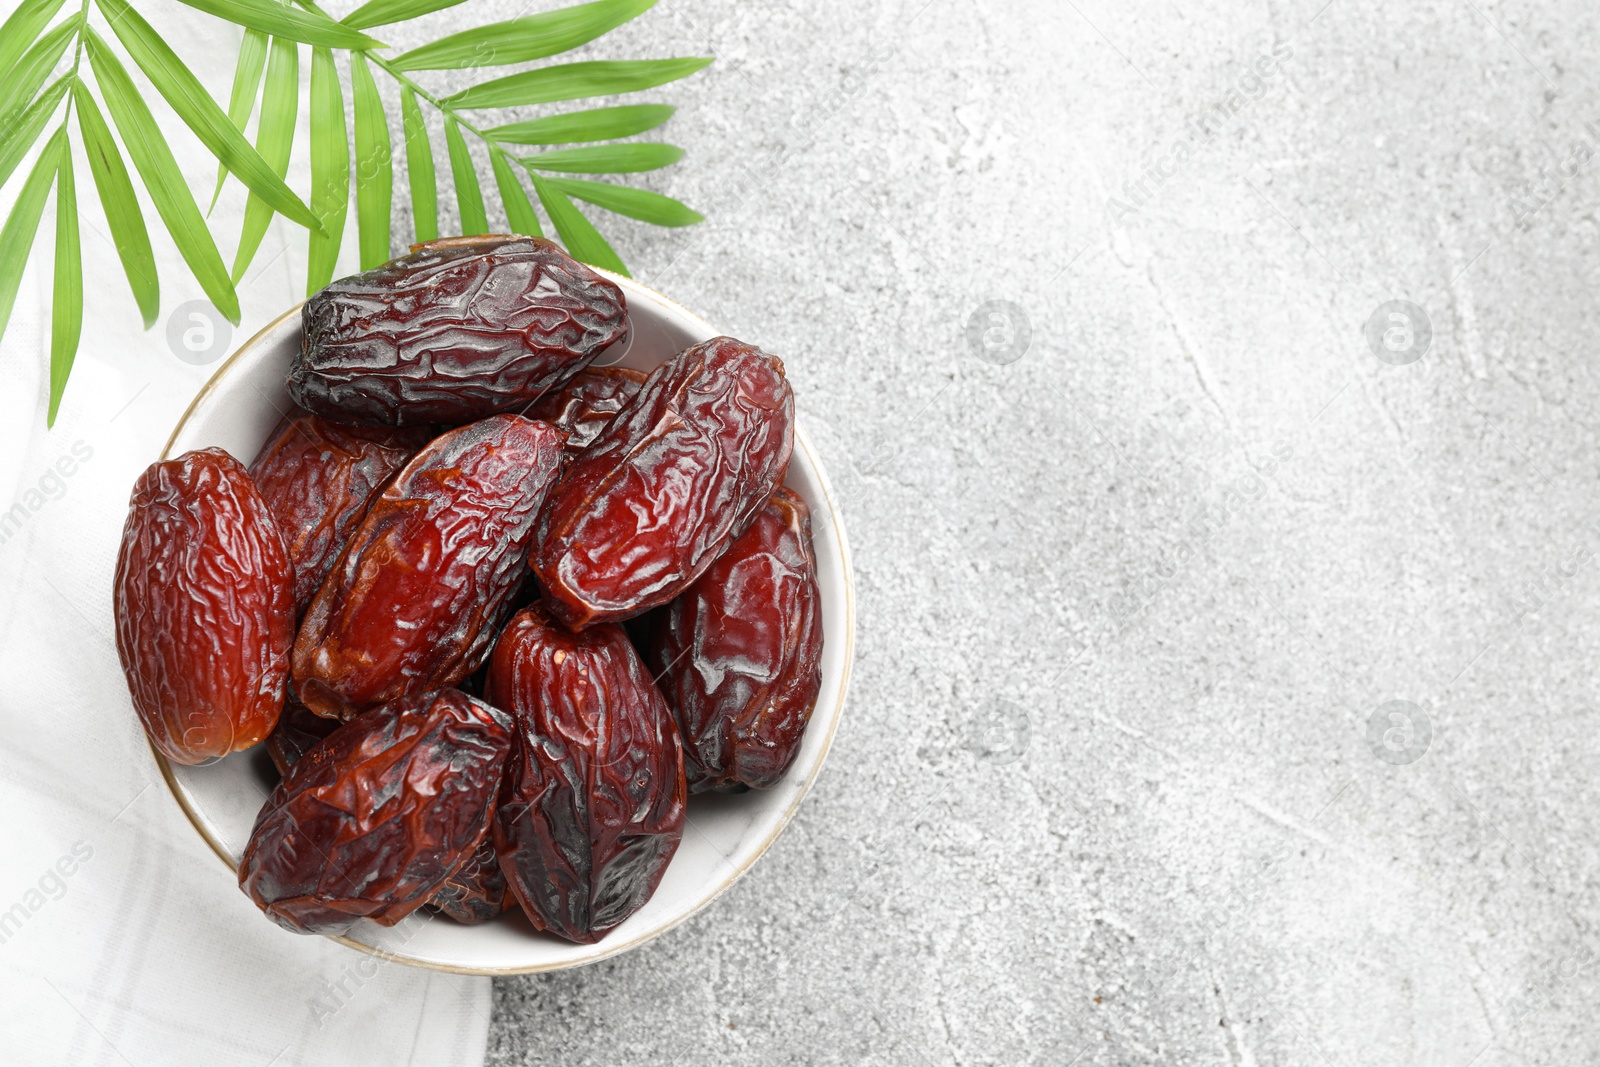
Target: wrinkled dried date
592,807
453,332
204,600
668,483
583,406
414,600
374,820
739,654
317,476
477,891
299,730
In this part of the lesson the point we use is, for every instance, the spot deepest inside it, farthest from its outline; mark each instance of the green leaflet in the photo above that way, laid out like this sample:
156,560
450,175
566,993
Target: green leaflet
194,105
119,202
469,198
16,238
242,100
29,74
524,39
374,165
18,137
384,12
607,159
419,170
22,28
596,124
330,169
66,302
570,81
519,212
638,204
581,238
162,179
281,20
280,106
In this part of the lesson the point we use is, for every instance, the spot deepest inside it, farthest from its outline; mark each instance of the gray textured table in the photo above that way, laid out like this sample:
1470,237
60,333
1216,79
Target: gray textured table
1144,560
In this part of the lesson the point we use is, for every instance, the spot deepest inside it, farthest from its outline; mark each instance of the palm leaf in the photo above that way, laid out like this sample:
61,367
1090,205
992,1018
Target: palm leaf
17,138
520,215
162,178
607,159
419,170
638,204
570,81
66,302
242,100
384,12
580,237
280,20
202,115
596,124
374,165
21,28
469,198
330,169
16,238
522,40
121,205
29,74
280,106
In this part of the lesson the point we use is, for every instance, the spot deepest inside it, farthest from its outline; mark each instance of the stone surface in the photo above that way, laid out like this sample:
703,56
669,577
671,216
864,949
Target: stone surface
1109,788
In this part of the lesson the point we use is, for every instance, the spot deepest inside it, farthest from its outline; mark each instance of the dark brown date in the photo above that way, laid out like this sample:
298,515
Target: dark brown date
204,600
477,891
375,819
299,730
592,807
739,654
583,406
415,599
668,483
317,476
453,332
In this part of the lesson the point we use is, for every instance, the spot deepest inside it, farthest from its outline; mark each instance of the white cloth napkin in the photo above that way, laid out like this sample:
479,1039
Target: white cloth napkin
123,940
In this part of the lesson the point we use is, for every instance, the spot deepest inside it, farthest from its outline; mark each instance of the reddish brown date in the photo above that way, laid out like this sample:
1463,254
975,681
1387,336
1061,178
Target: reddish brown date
583,406
299,730
477,891
739,654
415,599
452,332
317,476
592,807
204,600
375,819
671,480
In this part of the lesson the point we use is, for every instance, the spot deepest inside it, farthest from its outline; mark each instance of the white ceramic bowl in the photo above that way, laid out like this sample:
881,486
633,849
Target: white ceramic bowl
725,834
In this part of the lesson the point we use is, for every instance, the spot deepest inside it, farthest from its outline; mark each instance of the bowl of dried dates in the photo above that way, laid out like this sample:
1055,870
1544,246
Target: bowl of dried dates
488,611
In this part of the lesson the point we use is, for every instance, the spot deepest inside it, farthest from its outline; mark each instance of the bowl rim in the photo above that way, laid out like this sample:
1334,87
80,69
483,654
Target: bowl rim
836,530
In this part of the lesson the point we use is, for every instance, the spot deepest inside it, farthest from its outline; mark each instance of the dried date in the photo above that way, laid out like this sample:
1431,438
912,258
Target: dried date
317,476
584,406
299,730
477,891
373,821
739,654
415,599
452,332
592,806
667,484
204,600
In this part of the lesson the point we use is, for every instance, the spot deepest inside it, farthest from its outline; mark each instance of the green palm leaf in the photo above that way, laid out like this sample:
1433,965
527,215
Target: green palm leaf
469,197
22,28
384,12
374,165
520,215
607,159
580,237
596,124
29,74
330,169
162,178
18,137
242,100
121,205
525,39
280,106
280,20
570,81
419,170
16,238
638,204
66,302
